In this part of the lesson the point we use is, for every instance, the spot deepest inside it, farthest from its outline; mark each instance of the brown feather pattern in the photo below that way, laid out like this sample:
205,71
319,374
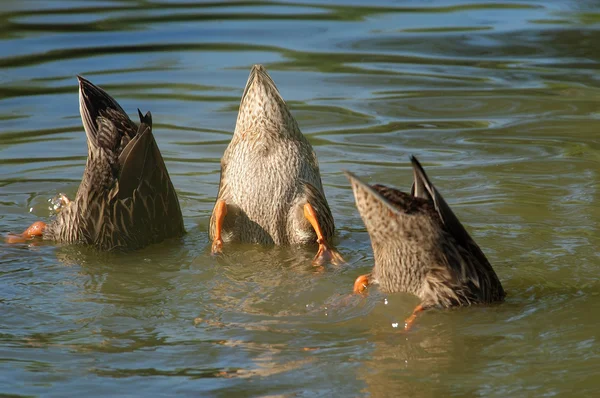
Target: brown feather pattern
126,199
421,247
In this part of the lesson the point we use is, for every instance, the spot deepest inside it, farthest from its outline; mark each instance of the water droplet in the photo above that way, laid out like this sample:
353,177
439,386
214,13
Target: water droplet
395,325
385,301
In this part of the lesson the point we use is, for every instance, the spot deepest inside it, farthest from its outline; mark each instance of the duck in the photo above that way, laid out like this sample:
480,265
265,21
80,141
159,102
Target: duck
420,247
270,190
126,199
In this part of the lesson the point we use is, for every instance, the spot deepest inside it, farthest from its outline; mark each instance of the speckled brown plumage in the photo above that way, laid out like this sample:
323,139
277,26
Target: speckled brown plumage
420,247
269,172
126,199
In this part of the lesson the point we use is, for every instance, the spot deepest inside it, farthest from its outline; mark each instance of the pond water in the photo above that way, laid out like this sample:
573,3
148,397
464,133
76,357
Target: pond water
498,100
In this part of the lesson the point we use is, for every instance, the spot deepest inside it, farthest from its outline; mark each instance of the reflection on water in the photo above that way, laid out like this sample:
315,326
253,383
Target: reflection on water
498,100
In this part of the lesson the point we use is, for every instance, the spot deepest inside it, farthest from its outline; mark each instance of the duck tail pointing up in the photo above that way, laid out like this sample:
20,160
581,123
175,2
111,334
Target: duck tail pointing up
263,112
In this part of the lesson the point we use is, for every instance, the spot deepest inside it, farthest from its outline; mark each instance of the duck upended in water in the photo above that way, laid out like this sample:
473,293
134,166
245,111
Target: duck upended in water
126,199
270,190
420,247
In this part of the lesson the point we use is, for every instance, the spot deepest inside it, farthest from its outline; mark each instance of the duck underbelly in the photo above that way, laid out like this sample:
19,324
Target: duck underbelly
265,187
264,205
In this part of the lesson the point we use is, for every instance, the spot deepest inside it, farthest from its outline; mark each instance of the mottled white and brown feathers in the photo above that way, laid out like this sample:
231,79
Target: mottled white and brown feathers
269,171
421,247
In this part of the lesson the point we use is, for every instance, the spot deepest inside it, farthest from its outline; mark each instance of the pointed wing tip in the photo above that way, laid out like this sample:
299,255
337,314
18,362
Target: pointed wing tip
146,119
415,161
95,102
421,186
86,87
83,81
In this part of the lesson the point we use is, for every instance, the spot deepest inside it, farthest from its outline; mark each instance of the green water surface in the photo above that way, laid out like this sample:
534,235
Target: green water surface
499,100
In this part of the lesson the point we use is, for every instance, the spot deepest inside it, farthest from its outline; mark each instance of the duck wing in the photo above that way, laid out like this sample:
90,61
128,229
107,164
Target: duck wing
126,197
145,187
423,188
474,265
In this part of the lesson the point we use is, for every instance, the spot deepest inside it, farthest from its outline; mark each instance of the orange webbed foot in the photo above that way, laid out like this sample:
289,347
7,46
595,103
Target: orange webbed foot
35,229
217,247
12,239
326,254
361,283
411,319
